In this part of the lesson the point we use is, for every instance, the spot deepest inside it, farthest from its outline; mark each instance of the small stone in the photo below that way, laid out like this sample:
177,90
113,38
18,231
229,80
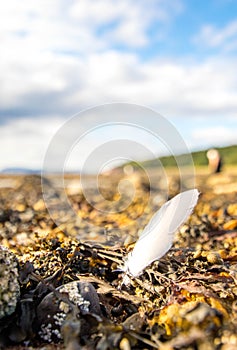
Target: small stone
124,344
39,205
230,225
214,258
232,209
26,216
197,254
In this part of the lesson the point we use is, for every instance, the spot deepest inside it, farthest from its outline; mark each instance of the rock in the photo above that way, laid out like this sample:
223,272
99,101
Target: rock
230,225
10,289
56,307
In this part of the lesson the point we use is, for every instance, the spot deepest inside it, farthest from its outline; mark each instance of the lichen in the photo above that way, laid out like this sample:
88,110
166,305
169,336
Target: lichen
9,286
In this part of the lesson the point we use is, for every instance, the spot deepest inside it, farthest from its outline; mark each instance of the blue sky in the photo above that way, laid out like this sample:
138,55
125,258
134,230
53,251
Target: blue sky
177,57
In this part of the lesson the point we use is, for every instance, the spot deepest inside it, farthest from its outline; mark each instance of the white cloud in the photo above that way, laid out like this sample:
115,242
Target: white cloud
82,26
66,85
172,88
54,60
126,131
60,57
24,141
127,22
214,136
222,38
52,52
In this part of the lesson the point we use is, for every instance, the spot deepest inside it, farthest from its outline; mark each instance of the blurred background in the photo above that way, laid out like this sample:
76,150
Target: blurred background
57,58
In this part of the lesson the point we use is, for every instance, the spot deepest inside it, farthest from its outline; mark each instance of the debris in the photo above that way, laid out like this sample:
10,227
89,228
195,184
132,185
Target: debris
64,282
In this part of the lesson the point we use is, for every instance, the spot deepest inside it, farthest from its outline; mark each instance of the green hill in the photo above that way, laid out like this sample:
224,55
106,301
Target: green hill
228,154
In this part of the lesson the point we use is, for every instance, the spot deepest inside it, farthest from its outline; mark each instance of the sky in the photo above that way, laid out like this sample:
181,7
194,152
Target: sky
61,57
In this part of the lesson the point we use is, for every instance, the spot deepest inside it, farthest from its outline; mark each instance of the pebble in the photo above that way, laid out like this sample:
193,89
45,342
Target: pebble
124,344
214,258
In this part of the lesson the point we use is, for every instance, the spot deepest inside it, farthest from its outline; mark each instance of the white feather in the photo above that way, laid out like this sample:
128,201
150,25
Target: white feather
157,237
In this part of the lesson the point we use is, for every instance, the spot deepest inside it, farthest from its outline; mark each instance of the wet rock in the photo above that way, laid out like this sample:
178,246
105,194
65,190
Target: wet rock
58,306
10,289
4,215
